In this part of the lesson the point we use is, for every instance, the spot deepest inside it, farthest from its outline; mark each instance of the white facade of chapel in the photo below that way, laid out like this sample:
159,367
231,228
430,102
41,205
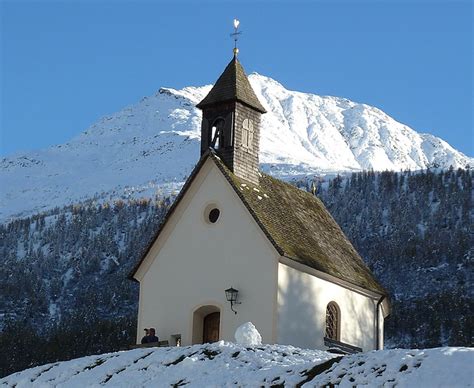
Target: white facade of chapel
193,261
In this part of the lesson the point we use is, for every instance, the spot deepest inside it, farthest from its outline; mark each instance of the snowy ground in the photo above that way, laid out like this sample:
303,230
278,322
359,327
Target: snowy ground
225,364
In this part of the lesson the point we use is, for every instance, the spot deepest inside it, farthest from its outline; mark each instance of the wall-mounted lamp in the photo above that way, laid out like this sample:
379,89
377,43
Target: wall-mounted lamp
231,296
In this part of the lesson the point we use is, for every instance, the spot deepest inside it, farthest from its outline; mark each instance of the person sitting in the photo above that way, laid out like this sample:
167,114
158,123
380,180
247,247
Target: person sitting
152,336
145,337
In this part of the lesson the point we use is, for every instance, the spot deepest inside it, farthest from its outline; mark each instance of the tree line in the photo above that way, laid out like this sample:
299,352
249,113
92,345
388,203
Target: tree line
65,291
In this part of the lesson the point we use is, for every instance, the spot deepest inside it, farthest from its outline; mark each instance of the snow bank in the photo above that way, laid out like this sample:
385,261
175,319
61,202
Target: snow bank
440,367
248,335
210,365
225,364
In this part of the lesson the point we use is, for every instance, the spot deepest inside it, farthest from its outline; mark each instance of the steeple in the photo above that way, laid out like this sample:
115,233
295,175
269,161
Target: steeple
231,121
232,85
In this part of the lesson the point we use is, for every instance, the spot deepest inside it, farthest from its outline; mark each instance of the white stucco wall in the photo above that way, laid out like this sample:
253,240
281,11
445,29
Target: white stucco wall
193,262
381,328
302,301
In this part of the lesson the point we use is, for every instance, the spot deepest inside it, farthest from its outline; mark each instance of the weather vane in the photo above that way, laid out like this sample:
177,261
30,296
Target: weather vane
235,35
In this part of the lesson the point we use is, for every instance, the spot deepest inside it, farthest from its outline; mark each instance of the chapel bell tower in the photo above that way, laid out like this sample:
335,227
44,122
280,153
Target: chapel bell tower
231,122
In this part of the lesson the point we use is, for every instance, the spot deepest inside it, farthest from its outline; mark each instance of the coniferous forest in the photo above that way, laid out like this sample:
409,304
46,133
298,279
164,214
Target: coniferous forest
65,292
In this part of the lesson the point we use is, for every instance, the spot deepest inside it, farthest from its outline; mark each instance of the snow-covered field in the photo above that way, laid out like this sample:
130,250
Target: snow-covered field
150,148
225,364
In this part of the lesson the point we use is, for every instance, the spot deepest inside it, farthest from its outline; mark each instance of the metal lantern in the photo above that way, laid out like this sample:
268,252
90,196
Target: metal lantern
231,296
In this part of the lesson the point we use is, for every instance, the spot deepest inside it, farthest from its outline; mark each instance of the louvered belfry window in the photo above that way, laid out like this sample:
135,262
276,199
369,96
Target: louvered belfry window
247,133
332,321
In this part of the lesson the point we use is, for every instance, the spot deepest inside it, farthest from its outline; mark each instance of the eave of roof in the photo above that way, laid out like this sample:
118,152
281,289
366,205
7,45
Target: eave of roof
295,222
170,212
301,229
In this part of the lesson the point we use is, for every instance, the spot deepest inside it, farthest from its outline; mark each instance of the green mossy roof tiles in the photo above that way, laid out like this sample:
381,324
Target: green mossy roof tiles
301,228
295,222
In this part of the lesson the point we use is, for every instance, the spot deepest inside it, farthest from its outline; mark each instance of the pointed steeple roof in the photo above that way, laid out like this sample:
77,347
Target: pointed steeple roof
232,85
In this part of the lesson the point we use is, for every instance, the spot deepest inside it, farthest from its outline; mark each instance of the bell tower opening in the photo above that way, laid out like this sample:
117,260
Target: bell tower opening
230,126
217,136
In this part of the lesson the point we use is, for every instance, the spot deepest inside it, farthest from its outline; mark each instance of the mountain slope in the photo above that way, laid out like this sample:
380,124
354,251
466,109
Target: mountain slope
413,231
227,364
153,145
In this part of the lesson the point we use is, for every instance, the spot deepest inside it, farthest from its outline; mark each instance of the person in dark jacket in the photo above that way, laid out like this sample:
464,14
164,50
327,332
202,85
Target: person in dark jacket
145,337
151,337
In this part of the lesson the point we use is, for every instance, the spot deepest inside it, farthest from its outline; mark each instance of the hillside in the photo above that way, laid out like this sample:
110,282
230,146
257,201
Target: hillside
227,364
151,146
413,230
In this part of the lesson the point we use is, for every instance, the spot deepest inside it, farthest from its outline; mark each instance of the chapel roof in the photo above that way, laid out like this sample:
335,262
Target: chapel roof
232,85
296,223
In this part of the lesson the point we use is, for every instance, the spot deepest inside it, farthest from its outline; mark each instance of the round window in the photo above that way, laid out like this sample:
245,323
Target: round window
214,215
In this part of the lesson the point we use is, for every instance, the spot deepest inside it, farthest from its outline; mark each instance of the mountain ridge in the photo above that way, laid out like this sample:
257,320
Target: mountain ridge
150,147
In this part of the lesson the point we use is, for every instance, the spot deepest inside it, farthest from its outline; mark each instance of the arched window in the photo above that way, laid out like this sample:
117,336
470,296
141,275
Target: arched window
333,321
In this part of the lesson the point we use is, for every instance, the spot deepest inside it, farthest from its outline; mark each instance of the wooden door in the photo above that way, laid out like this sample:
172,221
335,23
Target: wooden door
211,327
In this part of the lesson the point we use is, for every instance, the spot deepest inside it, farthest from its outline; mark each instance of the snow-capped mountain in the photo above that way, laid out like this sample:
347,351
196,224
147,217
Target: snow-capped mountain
150,147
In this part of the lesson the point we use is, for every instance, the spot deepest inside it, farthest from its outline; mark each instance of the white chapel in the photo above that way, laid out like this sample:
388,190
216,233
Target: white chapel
240,246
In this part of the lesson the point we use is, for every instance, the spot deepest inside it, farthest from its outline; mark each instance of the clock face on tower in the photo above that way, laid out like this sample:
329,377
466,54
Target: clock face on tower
247,133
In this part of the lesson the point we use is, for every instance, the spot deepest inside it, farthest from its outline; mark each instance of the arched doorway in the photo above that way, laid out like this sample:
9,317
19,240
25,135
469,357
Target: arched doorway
206,324
210,330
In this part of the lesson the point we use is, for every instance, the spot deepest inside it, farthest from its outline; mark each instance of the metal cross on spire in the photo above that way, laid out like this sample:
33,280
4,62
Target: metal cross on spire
235,35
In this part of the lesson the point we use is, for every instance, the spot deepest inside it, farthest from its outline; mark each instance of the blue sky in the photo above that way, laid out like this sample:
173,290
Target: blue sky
64,64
